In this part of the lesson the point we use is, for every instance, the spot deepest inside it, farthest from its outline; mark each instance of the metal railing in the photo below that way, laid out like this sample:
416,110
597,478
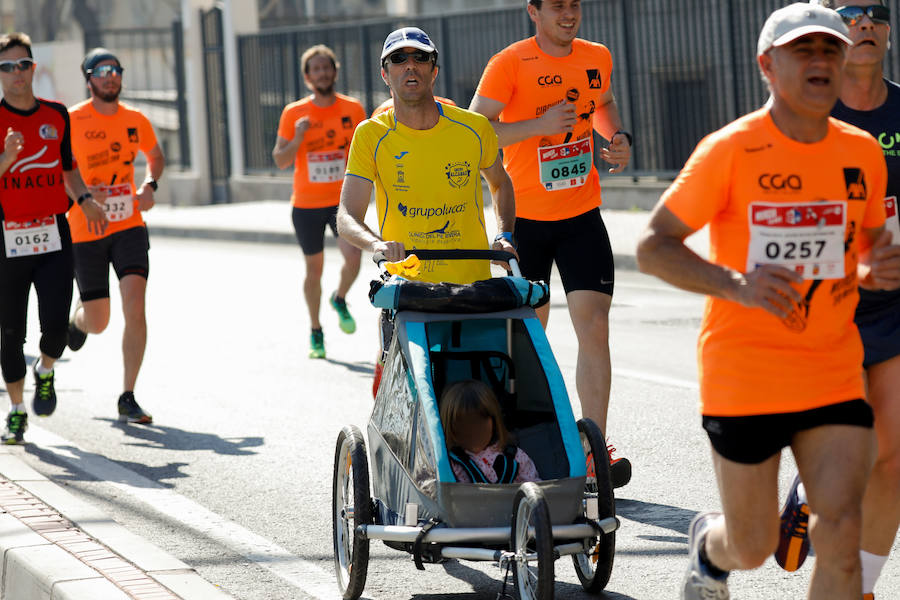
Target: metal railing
154,81
682,68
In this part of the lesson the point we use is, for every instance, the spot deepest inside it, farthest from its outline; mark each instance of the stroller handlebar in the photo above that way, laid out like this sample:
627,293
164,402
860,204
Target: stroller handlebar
459,254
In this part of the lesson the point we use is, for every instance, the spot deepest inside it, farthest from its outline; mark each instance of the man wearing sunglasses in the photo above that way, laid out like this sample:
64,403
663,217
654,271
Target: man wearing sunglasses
424,160
314,135
106,137
794,202
36,169
872,103
533,92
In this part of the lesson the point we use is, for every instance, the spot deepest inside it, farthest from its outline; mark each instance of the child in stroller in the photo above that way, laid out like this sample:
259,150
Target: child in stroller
480,448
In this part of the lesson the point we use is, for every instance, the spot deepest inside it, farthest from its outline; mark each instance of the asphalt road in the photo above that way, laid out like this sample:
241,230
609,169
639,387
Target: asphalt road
234,477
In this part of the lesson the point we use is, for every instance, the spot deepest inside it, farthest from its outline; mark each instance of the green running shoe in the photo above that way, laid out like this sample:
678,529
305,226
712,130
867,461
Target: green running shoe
16,424
317,344
345,319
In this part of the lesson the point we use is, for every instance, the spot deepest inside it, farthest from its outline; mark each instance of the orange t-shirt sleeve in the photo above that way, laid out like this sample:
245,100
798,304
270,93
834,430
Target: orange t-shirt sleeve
875,212
498,82
286,123
701,190
147,135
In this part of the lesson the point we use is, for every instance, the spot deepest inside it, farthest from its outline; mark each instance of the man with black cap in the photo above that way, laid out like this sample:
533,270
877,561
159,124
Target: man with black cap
106,136
36,170
794,202
424,158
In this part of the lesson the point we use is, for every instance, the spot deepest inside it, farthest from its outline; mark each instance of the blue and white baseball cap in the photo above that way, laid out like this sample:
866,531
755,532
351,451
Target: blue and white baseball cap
407,37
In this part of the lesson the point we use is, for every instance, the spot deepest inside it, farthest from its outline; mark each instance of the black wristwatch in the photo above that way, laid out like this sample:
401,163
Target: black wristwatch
152,183
84,197
627,135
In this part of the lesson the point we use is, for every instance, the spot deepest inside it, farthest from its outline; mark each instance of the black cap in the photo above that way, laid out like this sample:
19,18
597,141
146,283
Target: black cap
94,57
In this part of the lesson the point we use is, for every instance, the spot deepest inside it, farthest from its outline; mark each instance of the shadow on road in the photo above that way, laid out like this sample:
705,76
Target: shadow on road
362,367
157,474
661,515
172,438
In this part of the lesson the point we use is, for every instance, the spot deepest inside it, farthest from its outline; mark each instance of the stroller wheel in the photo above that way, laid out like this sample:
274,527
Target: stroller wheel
351,506
532,542
594,565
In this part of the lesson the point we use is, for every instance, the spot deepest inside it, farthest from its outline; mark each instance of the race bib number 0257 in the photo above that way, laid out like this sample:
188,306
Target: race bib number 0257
27,238
565,165
805,238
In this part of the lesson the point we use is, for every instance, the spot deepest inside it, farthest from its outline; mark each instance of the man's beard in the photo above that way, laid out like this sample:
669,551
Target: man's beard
325,91
106,96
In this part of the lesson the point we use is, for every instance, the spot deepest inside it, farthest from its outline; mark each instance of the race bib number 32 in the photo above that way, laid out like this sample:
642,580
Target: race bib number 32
566,165
325,167
27,238
805,238
119,203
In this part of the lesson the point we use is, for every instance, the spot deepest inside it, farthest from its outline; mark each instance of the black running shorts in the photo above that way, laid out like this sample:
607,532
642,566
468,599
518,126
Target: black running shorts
579,245
880,334
126,250
752,439
309,225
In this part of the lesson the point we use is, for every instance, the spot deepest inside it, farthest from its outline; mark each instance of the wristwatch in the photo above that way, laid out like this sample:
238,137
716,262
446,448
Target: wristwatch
84,197
627,135
152,183
506,235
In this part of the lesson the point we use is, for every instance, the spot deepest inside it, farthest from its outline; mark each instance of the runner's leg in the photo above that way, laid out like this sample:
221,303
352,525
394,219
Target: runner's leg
350,269
881,503
589,311
134,336
92,316
312,286
834,463
749,532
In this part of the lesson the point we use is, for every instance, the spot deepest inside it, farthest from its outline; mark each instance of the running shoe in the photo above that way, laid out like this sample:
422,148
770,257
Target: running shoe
76,337
793,542
345,319
16,424
619,468
131,412
699,582
317,344
44,402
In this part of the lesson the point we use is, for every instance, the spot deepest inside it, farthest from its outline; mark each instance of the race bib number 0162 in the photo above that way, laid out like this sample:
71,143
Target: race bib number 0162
27,238
892,223
325,167
805,238
565,165
119,203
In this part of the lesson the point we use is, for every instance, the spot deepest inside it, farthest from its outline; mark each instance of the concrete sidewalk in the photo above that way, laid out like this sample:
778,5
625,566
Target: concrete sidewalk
57,547
270,221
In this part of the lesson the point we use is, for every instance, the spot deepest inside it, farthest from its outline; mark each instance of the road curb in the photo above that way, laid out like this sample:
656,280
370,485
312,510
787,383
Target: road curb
57,547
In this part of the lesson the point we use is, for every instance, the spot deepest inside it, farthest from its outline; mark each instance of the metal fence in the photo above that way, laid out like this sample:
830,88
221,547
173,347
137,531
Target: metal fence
682,68
154,81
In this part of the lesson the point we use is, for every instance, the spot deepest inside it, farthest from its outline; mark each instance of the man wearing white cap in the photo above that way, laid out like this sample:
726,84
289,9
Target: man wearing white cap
424,158
794,202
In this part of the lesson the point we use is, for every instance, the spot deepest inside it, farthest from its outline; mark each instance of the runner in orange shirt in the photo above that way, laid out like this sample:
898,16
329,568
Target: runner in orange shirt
793,200
314,135
106,136
545,95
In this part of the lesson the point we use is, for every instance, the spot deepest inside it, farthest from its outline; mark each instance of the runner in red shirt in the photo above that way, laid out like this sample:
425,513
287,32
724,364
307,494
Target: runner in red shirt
314,135
36,169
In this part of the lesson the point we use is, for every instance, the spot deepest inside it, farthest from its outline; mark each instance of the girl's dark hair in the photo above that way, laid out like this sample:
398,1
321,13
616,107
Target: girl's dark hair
470,397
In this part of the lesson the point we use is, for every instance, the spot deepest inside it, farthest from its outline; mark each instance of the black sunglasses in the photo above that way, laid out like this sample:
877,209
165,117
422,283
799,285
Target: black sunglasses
420,56
23,64
854,14
104,71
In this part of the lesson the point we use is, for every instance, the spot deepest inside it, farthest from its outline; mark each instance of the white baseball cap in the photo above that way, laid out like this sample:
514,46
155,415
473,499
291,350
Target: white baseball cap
796,20
407,37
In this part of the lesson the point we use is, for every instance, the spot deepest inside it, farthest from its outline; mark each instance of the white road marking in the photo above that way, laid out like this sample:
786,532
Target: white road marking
302,574
660,379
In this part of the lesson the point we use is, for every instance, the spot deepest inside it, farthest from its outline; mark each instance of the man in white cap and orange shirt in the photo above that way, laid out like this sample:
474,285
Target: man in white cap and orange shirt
794,201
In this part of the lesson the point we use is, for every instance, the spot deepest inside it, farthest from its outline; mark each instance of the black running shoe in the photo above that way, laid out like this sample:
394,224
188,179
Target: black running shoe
130,411
76,337
44,402
16,424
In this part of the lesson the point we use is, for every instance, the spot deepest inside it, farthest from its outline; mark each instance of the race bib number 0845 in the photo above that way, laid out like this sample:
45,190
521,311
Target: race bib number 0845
805,238
565,165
